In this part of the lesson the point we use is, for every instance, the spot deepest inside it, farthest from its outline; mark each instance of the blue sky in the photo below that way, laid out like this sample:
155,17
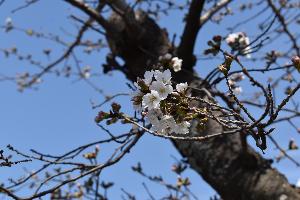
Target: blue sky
58,116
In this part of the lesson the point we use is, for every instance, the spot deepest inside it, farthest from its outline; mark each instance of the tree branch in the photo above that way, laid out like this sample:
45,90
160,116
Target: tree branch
207,16
92,13
189,36
62,57
285,27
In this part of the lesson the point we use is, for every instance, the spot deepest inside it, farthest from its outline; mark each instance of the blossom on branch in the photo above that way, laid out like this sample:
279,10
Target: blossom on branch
163,89
164,76
239,42
151,100
181,87
167,110
176,63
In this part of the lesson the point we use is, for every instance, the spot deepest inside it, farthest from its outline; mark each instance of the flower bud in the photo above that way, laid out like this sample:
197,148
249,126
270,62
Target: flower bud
101,116
217,38
91,155
296,62
144,87
115,107
225,67
111,121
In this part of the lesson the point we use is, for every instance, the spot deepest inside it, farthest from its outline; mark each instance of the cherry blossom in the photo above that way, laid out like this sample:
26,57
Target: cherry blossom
164,76
151,100
176,64
238,90
148,76
156,98
154,116
182,128
181,87
239,41
163,89
167,124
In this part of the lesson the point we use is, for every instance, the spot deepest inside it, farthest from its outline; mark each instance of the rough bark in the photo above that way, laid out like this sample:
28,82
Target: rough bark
234,170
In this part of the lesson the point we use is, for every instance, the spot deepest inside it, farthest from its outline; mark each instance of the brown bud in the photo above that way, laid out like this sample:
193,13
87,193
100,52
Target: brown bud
115,107
112,121
217,38
293,145
144,87
296,62
225,67
101,116
90,155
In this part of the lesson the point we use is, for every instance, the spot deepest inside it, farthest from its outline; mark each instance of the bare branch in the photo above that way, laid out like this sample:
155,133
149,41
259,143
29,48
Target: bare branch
285,27
189,35
208,14
62,57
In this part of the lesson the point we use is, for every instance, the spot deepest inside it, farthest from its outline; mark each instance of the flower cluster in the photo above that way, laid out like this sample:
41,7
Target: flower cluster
239,42
156,97
171,62
214,45
23,80
164,106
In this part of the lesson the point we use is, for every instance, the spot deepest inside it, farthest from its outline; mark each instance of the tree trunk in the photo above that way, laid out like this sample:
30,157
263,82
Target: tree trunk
233,169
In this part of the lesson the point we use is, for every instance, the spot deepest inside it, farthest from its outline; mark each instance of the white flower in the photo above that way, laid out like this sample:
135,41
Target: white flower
168,121
167,124
231,82
8,24
183,127
86,72
181,87
154,116
155,127
238,90
238,38
237,77
176,63
38,80
162,89
245,46
246,41
164,76
8,21
151,100
239,41
148,76
231,38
